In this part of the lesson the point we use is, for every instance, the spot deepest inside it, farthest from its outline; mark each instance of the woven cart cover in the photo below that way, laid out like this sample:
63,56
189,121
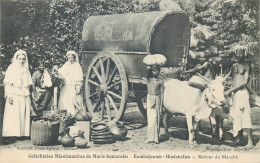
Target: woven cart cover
155,59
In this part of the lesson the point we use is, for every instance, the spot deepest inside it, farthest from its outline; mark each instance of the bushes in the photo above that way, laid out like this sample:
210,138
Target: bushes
47,29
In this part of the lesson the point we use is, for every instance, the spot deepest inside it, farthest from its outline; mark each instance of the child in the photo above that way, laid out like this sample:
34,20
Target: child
77,101
154,98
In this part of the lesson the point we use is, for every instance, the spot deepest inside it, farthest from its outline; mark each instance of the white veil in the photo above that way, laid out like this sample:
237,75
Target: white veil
15,61
72,72
73,53
16,74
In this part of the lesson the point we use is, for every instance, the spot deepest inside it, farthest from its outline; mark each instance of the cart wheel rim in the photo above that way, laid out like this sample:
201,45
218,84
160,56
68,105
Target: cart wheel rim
106,88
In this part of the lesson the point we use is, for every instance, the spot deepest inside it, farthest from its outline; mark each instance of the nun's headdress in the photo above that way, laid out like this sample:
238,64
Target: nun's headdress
74,54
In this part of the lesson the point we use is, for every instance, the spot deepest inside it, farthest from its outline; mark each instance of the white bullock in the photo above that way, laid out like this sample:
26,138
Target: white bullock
179,97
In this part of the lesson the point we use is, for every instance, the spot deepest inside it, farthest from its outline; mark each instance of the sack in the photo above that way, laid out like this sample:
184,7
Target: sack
197,82
46,79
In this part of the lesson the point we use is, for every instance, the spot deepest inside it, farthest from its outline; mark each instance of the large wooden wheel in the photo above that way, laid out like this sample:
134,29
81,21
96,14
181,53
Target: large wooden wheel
106,88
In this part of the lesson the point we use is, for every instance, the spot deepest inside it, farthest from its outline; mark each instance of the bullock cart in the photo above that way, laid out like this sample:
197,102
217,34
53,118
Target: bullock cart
113,48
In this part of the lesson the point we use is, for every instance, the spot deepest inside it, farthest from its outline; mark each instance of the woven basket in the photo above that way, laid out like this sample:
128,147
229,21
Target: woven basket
44,134
49,113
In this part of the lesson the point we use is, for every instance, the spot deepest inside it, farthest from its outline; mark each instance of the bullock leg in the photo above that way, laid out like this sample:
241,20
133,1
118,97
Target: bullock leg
220,121
216,122
191,130
195,130
166,116
221,117
213,123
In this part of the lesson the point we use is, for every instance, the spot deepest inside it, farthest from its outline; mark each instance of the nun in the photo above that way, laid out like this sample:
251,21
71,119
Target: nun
72,75
17,81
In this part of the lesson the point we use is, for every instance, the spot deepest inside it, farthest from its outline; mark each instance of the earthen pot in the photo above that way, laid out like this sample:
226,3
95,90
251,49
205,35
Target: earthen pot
83,112
78,116
80,141
99,127
82,115
67,140
119,131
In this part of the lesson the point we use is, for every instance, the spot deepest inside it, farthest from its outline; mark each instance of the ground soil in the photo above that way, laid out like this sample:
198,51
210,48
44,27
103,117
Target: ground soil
136,125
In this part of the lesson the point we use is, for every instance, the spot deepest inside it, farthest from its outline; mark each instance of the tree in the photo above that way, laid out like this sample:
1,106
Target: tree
47,29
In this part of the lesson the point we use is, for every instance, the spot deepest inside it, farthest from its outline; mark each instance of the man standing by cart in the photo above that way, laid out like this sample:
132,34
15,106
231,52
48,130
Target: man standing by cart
206,69
240,111
155,90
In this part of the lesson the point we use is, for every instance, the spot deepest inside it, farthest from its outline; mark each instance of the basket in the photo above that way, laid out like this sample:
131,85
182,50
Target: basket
43,133
63,123
49,113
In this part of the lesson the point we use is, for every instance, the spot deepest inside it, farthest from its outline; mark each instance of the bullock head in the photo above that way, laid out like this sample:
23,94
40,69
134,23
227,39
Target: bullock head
214,91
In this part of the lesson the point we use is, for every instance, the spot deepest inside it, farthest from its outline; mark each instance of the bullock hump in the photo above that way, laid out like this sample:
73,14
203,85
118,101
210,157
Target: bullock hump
179,96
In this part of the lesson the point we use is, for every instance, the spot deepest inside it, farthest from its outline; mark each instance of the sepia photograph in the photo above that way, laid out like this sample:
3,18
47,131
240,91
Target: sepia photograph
129,81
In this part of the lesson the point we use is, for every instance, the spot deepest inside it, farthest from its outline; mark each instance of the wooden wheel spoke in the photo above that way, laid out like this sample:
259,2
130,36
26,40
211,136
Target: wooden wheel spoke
108,68
111,76
107,87
108,109
92,82
114,84
114,94
102,68
98,75
95,107
102,110
93,94
112,103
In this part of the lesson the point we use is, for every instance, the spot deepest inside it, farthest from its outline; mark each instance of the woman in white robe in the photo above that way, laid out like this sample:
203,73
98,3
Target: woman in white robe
72,74
16,122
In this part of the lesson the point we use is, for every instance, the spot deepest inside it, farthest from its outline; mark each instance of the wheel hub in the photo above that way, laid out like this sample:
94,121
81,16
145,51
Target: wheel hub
103,89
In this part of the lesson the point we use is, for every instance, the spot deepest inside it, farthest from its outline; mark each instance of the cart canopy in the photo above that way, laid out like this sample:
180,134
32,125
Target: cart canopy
163,32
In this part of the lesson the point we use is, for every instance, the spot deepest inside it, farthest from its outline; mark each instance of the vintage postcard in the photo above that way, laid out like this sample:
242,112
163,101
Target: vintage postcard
129,81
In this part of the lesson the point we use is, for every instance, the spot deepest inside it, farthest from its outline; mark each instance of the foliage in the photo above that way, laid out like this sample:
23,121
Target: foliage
224,25
238,27
47,29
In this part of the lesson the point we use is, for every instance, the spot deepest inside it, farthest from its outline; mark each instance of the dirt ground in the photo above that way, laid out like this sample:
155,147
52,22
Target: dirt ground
136,125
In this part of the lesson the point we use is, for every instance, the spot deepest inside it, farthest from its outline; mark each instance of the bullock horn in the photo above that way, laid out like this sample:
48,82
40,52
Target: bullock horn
225,78
203,77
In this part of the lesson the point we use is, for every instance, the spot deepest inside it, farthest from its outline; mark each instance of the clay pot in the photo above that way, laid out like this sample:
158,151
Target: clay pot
99,127
82,115
83,112
67,140
101,133
80,141
78,116
119,131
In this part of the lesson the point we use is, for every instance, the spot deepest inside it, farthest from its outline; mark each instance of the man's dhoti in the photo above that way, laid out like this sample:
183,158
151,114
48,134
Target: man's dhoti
153,117
240,111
